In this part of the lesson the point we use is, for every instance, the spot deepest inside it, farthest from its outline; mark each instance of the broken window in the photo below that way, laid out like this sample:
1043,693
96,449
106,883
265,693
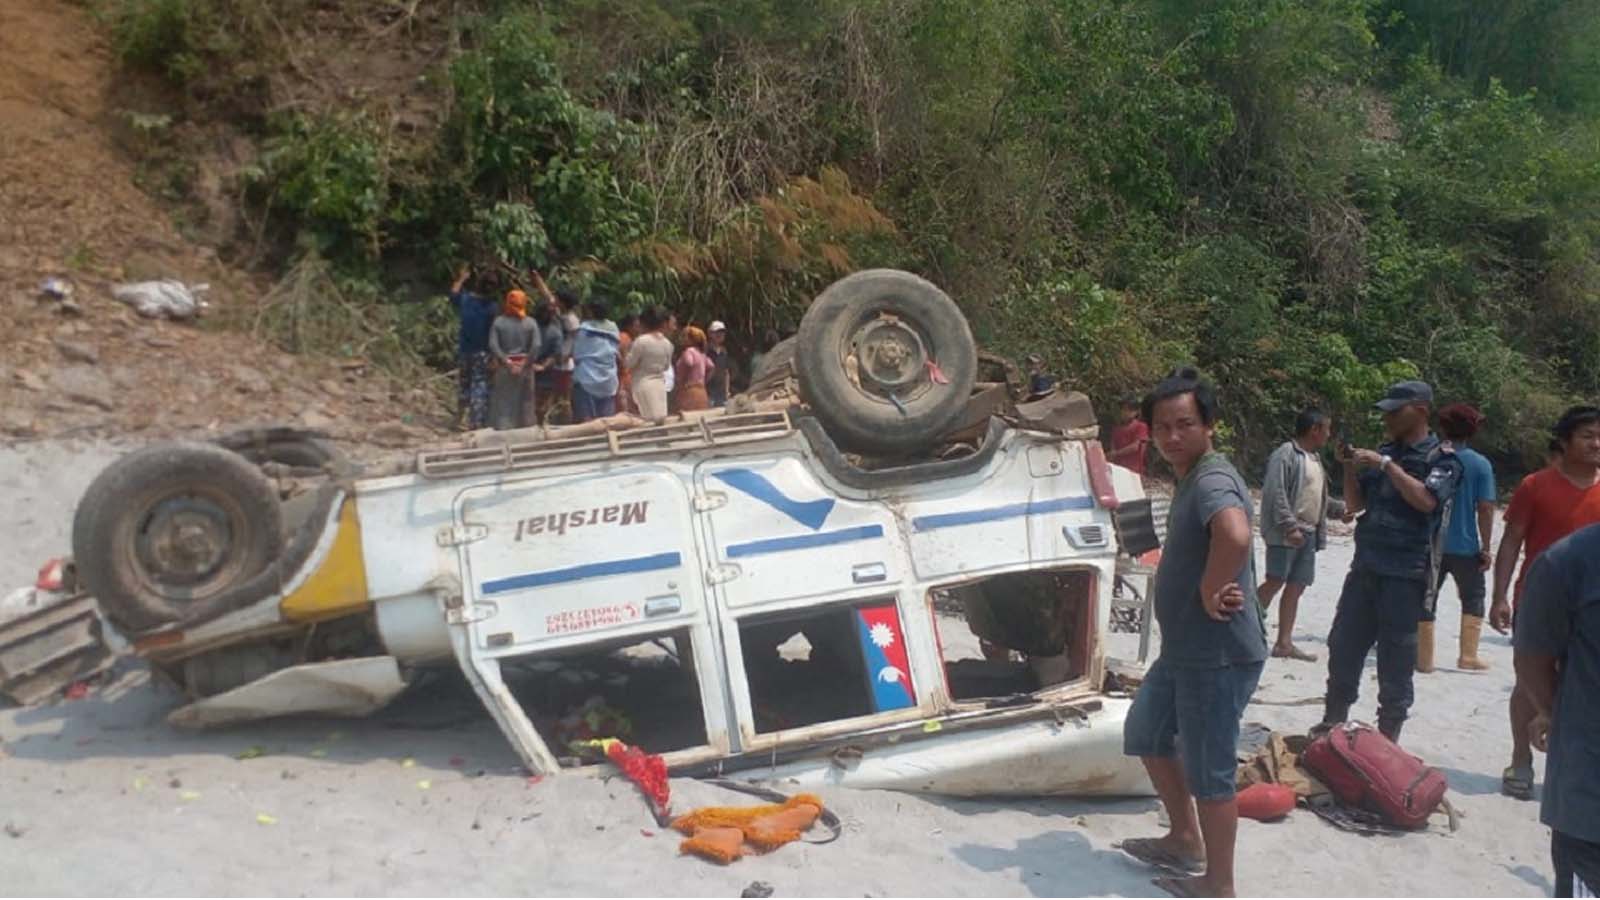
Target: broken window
645,693
1015,633
823,665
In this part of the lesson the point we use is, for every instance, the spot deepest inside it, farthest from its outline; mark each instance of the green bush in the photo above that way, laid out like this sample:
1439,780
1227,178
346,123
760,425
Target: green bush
157,35
519,136
330,176
1103,342
514,232
1307,198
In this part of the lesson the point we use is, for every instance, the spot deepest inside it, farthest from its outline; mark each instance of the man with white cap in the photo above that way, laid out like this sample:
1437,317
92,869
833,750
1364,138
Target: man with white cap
1405,488
717,351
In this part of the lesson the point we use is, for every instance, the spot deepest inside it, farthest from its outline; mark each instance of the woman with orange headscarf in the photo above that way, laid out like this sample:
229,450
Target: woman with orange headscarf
513,341
693,370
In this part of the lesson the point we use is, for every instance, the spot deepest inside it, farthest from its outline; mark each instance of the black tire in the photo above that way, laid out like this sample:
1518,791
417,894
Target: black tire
902,321
167,535
289,447
781,356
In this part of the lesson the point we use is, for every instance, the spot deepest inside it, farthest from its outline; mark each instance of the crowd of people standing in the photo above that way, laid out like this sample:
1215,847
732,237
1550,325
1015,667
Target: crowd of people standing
1424,505
525,361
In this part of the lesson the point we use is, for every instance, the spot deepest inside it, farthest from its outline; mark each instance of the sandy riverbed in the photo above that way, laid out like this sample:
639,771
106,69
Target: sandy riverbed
100,796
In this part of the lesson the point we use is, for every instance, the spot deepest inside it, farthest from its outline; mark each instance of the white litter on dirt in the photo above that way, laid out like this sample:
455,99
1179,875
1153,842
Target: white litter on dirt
166,299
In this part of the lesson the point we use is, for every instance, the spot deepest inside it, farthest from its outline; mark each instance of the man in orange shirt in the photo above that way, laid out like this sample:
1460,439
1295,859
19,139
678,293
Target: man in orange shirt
1546,507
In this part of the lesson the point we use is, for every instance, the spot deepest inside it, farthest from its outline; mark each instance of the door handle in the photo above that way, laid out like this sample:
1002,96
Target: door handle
870,573
662,606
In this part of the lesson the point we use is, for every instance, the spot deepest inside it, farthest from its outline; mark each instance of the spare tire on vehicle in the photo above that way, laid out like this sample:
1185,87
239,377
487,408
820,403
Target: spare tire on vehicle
292,448
886,361
169,534
781,356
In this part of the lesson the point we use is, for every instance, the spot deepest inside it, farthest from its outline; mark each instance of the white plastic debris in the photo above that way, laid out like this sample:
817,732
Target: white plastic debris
167,299
56,288
21,602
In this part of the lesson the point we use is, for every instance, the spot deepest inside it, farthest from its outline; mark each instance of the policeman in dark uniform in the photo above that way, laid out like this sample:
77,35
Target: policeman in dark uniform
1404,487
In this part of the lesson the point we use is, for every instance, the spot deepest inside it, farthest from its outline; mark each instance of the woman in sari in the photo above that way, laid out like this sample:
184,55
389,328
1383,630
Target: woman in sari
513,342
694,369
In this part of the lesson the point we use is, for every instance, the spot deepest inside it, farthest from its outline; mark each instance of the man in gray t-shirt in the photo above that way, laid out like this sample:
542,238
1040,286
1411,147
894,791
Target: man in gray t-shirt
1558,669
1184,724
1190,636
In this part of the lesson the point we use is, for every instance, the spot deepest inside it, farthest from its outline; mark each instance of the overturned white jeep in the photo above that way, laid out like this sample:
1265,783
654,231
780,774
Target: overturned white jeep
857,579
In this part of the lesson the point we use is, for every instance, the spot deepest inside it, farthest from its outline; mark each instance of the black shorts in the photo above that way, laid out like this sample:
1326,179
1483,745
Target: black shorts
1467,571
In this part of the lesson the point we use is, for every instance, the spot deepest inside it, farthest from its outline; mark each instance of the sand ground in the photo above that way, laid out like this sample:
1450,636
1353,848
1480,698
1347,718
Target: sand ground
100,796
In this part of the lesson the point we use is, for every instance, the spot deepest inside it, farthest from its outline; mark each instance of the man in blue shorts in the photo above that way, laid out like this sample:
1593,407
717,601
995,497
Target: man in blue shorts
1295,505
1184,724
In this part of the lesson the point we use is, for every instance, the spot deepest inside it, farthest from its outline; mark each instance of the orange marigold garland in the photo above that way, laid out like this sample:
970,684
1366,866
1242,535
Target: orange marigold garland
720,833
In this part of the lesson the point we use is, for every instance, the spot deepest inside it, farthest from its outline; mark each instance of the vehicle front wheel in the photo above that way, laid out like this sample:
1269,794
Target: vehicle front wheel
166,535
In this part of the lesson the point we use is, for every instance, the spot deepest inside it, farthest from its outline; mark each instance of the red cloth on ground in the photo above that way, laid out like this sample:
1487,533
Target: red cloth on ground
647,770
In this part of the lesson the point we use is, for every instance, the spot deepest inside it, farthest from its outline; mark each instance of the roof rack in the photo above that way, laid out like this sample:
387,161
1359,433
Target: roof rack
652,440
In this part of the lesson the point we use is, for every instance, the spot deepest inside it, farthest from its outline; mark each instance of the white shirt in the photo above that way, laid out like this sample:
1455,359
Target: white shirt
1313,489
569,325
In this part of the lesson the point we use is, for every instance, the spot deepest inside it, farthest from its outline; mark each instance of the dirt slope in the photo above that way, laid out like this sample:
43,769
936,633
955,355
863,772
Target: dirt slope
69,207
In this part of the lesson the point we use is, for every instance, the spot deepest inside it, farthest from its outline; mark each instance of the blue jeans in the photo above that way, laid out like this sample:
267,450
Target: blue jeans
474,390
586,406
1193,713
1379,610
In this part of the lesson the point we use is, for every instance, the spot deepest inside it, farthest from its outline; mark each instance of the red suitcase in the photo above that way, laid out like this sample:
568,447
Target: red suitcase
1366,770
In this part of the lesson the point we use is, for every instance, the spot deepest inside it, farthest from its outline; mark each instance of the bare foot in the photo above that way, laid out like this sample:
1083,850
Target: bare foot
1292,652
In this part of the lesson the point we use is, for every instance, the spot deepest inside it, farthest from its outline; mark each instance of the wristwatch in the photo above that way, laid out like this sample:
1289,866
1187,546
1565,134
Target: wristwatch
1383,462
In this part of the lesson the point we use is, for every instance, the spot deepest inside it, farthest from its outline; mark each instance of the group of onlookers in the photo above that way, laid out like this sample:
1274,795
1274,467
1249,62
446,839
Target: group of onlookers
1426,509
519,359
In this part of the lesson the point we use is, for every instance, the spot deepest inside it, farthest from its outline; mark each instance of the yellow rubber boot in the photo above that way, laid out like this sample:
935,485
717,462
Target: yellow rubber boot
1471,632
1424,647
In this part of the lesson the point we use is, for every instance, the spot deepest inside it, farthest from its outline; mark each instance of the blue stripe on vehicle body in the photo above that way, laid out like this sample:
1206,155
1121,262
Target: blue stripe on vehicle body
810,513
1000,513
581,573
804,541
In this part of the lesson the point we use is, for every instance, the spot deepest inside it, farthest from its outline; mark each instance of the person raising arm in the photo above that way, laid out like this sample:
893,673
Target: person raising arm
1412,490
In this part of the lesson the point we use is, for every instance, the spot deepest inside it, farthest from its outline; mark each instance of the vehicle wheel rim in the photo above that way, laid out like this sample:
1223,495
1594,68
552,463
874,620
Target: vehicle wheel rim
891,356
185,541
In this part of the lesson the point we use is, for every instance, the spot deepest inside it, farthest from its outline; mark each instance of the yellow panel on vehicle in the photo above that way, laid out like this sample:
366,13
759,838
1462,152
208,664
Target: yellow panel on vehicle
339,585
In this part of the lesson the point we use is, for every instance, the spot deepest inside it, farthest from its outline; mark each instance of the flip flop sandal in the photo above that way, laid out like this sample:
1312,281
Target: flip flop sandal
1517,781
1177,887
1296,653
1152,852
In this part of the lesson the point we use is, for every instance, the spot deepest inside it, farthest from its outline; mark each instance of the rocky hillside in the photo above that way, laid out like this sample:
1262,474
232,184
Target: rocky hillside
72,210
